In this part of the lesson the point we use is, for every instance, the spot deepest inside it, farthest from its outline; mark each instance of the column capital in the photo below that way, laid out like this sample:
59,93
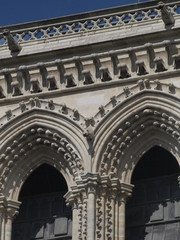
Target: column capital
3,204
71,199
90,178
125,192
12,208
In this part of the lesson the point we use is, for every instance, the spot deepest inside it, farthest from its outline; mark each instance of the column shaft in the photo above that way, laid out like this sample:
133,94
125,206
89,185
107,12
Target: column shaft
2,226
116,220
91,216
113,218
103,217
122,206
75,225
8,229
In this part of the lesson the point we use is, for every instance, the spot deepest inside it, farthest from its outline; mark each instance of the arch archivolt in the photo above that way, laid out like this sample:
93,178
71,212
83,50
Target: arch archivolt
150,138
154,115
36,137
23,168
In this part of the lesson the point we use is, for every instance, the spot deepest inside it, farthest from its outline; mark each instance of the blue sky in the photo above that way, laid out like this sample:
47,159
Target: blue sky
19,11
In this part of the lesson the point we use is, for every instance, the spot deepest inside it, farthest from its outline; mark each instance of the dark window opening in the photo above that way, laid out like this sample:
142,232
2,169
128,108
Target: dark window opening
155,163
152,212
45,179
43,213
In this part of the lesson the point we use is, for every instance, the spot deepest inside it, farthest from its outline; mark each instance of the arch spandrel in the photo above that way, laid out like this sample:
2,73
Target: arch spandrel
148,110
37,130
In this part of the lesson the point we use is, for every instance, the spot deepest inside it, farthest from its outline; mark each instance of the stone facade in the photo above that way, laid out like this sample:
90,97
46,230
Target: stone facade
88,95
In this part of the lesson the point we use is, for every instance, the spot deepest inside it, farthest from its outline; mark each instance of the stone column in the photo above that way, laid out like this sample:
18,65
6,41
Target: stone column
2,222
11,211
103,212
3,204
116,220
125,193
113,218
122,206
91,216
75,223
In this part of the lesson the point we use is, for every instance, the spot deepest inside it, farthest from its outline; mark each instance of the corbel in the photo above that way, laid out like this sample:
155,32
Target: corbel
115,61
61,69
133,58
141,70
51,83
105,75
43,72
176,61
35,86
79,67
16,89
151,54
160,65
70,82
124,72
87,77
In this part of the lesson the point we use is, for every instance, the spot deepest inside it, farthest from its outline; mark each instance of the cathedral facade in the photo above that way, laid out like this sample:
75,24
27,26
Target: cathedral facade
90,126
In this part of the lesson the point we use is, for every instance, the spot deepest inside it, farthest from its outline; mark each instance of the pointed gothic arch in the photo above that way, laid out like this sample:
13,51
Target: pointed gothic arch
49,138
152,209
149,113
43,206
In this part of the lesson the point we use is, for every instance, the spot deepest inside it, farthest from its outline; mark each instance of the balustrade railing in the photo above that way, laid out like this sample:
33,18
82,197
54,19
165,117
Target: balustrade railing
86,24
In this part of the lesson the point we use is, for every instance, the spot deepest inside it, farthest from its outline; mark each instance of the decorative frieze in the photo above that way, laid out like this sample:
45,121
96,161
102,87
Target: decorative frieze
102,68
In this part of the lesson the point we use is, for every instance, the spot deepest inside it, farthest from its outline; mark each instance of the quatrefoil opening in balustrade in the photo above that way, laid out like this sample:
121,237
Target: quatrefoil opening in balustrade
102,23
64,29
27,37
126,19
39,34
89,25
152,14
177,9
2,41
114,20
77,27
140,16
51,32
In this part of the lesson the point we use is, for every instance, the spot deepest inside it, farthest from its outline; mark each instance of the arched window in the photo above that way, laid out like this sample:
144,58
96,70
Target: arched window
153,211
43,213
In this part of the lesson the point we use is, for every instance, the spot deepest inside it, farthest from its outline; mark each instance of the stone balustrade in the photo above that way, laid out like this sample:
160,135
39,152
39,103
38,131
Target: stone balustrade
90,22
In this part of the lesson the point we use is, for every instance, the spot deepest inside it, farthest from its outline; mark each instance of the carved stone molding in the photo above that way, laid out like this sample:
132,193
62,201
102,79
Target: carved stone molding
38,104
141,86
19,148
130,131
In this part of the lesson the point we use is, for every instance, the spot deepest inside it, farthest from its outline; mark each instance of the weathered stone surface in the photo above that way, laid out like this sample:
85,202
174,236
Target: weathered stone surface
89,95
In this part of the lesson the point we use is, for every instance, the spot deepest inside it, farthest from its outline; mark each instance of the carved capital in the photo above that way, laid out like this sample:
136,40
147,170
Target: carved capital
12,208
3,203
125,192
